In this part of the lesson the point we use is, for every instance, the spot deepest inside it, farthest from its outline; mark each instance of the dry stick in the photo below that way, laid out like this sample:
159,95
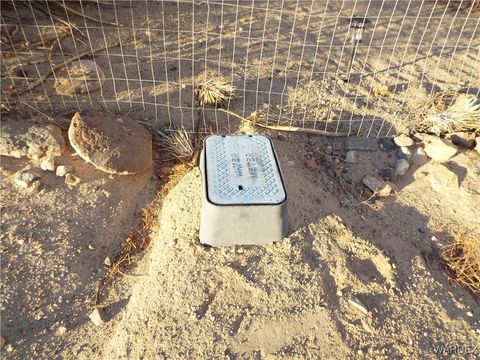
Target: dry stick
86,16
287,127
66,62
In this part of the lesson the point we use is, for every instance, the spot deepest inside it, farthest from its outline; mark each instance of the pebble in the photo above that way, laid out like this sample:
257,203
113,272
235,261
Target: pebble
48,164
71,179
97,316
107,261
401,167
63,170
24,179
350,156
469,314
61,330
358,305
404,153
403,140
440,150
419,157
378,186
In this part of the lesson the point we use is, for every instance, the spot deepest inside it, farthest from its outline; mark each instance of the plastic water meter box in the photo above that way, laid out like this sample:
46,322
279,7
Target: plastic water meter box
244,197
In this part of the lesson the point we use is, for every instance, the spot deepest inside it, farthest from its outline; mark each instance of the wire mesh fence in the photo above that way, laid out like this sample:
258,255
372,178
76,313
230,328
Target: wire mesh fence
356,67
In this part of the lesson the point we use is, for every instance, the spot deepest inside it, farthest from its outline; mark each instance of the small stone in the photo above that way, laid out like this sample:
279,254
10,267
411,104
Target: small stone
389,174
404,153
441,178
358,143
311,164
63,170
401,167
97,316
9,348
358,305
403,140
71,179
469,314
107,261
339,293
440,150
419,157
463,139
24,179
61,330
386,144
48,164
378,186
91,247
350,156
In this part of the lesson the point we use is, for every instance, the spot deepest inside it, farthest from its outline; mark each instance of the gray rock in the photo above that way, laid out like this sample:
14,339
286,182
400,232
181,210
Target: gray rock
21,138
350,156
386,144
97,316
358,143
440,150
419,157
114,145
82,76
26,178
63,170
401,167
403,140
389,174
463,139
378,186
48,164
404,153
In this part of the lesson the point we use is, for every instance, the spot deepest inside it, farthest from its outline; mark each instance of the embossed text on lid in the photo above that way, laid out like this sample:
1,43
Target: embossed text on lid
242,169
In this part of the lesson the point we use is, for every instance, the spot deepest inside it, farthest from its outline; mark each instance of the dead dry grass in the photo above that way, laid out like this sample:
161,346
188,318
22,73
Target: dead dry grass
462,257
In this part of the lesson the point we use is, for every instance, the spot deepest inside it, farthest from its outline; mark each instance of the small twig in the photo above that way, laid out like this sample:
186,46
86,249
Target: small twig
64,63
86,16
287,128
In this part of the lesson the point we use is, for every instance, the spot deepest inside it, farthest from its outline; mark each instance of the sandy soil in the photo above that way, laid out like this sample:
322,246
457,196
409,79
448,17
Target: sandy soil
289,300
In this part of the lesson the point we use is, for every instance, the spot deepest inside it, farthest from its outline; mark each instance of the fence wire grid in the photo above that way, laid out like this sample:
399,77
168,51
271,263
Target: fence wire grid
357,67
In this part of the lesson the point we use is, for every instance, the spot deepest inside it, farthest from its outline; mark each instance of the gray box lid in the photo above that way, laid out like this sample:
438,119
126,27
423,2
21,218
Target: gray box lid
242,170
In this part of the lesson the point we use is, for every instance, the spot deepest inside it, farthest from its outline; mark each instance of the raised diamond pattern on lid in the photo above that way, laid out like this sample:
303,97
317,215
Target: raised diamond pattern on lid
242,169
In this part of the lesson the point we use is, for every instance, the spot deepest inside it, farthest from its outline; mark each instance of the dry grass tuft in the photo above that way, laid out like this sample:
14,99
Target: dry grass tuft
462,115
463,261
215,92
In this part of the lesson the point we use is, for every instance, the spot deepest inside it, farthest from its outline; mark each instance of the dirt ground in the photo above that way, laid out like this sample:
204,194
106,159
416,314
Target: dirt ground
294,299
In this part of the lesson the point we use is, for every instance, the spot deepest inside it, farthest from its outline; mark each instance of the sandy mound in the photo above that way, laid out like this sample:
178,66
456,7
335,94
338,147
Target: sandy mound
298,298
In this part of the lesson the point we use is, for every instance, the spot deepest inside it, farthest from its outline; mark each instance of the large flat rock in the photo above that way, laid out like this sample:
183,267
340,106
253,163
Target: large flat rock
116,145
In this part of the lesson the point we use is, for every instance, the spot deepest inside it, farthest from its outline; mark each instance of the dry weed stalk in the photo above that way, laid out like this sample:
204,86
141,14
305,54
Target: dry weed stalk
463,261
462,115
215,92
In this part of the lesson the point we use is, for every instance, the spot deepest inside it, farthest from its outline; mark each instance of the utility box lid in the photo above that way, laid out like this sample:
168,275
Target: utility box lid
242,170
